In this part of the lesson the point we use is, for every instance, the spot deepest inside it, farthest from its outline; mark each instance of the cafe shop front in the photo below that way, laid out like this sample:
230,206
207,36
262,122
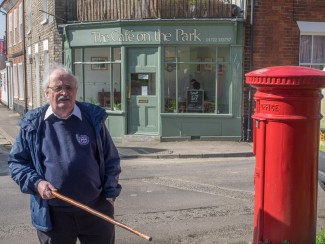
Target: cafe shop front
142,73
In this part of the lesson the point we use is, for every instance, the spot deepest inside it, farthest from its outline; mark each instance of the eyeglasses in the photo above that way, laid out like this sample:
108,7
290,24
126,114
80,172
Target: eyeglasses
60,88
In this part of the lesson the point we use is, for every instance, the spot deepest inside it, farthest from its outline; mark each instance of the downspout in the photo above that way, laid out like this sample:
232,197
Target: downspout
25,60
251,49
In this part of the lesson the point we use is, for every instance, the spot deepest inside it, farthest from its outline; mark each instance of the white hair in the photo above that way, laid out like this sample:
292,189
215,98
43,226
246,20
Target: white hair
53,68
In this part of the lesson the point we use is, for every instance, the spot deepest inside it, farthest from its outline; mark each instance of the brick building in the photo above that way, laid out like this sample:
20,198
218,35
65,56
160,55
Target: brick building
33,42
282,33
15,54
43,42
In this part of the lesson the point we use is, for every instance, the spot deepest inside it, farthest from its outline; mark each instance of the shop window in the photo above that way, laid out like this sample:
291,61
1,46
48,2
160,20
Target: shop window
197,80
98,71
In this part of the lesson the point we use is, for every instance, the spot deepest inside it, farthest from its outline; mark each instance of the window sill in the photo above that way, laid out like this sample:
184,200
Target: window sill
44,22
115,112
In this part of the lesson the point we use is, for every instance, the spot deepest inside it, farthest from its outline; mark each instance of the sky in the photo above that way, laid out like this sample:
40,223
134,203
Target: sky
2,25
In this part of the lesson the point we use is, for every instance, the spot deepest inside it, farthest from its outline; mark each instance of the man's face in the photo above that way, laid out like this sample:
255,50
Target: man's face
61,93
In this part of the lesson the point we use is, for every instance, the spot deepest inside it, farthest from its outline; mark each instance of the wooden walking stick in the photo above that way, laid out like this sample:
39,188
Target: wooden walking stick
100,215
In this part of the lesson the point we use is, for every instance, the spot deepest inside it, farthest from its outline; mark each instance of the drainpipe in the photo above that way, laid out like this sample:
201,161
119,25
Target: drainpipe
251,49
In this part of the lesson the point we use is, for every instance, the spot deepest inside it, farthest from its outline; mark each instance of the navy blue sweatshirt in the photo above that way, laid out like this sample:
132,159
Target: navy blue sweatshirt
70,159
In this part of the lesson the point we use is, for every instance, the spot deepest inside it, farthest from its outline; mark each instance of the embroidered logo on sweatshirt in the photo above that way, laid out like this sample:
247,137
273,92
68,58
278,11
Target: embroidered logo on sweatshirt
82,139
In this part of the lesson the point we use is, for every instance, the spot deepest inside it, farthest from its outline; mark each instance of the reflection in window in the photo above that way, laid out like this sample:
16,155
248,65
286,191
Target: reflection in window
99,76
197,80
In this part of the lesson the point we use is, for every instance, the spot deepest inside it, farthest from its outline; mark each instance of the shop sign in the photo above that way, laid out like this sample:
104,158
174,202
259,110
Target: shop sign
162,35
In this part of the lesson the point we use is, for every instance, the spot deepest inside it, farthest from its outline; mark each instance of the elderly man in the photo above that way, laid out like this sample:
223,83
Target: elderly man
65,146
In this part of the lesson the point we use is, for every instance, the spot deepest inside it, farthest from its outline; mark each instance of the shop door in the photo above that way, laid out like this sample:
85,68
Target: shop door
142,91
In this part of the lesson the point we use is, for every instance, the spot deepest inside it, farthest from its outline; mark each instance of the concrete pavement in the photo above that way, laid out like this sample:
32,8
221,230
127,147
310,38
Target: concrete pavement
142,148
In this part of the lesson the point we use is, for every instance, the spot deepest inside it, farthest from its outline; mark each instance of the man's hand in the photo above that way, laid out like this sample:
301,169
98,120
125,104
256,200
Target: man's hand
111,201
45,189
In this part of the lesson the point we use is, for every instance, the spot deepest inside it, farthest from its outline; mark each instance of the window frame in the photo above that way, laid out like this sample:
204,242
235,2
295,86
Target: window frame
15,25
212,63
20,22
110,63
311,29
45,12
29,16
10,30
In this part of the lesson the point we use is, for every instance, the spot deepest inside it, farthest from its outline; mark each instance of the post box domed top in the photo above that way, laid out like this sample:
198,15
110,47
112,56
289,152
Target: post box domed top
287,76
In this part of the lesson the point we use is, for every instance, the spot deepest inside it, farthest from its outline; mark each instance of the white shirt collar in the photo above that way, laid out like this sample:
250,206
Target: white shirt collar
76,111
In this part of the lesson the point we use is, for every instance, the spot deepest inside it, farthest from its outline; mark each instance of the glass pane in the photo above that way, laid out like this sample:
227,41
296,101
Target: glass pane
192,54
170,54
117,86
198,73
97,91
319,49
78,55
193,78
223,54
143,84
209,87
305,49
320,67
79,75
116,54
101,54
224,89
170,88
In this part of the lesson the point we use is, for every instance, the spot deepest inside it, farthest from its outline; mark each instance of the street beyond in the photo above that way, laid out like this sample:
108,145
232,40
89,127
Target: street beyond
197,201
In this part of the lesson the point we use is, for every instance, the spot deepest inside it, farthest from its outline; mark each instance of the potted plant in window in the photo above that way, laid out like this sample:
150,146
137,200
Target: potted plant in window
117,106
173,106
93,101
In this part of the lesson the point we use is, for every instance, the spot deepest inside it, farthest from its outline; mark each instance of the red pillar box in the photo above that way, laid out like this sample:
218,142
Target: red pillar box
286,138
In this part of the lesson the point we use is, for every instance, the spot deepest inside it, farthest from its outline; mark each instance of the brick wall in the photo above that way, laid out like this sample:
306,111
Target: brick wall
276,34
16,49
60,11
15,53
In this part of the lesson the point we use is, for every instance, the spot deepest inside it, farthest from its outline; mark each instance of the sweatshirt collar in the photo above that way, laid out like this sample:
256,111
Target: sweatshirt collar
76,112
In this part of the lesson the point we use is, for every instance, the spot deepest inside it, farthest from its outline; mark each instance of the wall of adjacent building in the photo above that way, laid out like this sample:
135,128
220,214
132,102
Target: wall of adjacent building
44,37
273,37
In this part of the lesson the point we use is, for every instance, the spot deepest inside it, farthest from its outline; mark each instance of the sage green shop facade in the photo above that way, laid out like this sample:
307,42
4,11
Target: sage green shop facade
140,71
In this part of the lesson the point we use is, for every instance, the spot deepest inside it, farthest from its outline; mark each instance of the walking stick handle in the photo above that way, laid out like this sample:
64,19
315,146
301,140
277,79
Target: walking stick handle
100,215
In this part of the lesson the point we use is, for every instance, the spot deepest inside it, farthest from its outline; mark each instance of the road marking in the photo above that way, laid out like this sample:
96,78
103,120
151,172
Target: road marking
203,188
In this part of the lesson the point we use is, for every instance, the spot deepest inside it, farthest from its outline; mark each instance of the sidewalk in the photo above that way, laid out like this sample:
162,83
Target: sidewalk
150,149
